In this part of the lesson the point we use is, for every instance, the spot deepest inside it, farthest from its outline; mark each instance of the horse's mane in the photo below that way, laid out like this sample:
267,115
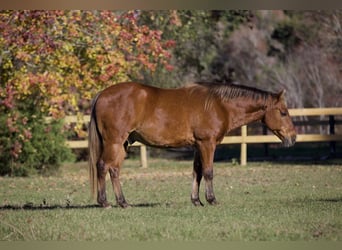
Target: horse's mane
229,91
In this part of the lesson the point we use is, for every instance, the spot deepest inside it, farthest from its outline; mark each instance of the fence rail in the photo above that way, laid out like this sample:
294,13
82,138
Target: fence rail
244,138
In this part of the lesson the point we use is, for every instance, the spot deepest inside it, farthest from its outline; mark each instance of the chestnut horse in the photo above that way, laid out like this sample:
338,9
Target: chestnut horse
197,115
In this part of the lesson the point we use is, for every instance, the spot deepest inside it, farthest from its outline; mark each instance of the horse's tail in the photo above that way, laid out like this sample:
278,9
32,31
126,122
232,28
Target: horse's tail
95,148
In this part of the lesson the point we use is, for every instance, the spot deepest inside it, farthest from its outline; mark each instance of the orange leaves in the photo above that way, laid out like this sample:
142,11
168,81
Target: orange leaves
58,60
23,56
95,46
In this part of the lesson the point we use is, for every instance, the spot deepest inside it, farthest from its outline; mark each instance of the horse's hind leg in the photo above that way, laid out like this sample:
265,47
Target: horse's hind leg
102,170
118,155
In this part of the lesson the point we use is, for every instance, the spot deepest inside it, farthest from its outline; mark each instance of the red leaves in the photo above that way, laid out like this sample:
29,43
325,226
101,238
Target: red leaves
22,134
109,46
170,44
8,97
16,149
58,60
28,28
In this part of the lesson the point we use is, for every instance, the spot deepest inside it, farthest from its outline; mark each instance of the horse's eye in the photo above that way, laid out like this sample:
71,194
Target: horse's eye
283,113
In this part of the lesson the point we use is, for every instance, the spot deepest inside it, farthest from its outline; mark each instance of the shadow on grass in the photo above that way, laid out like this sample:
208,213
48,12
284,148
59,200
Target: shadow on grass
333,200
30,206
318,200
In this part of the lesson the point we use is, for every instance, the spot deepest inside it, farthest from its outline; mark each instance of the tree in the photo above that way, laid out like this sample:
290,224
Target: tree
53,62
311,57
291,50
198,37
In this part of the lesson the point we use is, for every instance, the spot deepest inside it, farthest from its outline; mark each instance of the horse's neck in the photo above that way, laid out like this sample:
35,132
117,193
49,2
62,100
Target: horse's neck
243,116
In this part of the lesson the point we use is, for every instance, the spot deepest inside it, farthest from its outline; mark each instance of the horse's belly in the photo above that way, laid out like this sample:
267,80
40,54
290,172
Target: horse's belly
158,138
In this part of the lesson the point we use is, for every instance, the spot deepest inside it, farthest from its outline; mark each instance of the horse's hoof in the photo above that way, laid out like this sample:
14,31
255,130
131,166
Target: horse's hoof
213,202
124,205
106,205
197,203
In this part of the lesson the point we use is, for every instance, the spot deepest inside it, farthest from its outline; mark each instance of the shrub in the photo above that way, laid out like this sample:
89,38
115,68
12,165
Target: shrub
30,144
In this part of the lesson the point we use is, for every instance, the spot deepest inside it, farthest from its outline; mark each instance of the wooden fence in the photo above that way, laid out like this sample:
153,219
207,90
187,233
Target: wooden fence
244,138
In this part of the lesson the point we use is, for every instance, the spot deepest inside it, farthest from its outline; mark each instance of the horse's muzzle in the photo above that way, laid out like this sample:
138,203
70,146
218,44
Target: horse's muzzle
289,141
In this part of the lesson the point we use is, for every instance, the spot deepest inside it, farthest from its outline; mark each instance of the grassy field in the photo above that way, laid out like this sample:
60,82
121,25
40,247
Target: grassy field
263,201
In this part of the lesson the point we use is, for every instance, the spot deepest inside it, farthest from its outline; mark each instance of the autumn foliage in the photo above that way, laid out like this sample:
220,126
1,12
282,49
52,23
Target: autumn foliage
53,62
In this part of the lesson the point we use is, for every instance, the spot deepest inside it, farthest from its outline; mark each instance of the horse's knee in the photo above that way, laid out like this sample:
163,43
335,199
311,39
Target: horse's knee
208,174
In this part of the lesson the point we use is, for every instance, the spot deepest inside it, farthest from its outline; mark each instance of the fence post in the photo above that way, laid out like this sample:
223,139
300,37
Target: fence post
143,156
264,132
332,132
243,156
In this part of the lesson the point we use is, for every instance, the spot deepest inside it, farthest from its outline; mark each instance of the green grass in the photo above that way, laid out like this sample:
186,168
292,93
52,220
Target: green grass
263,201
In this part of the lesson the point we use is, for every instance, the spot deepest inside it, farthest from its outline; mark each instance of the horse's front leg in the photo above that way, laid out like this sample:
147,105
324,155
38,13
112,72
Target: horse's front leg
207,150
209,190
197,177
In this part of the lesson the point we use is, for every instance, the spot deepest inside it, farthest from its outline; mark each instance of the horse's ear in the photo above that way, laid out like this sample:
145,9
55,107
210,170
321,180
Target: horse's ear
281,94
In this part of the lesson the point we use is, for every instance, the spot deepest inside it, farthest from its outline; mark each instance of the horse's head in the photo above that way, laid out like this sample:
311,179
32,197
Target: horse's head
278,120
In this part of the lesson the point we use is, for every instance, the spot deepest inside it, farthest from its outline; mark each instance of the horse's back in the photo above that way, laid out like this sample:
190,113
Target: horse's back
150,97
